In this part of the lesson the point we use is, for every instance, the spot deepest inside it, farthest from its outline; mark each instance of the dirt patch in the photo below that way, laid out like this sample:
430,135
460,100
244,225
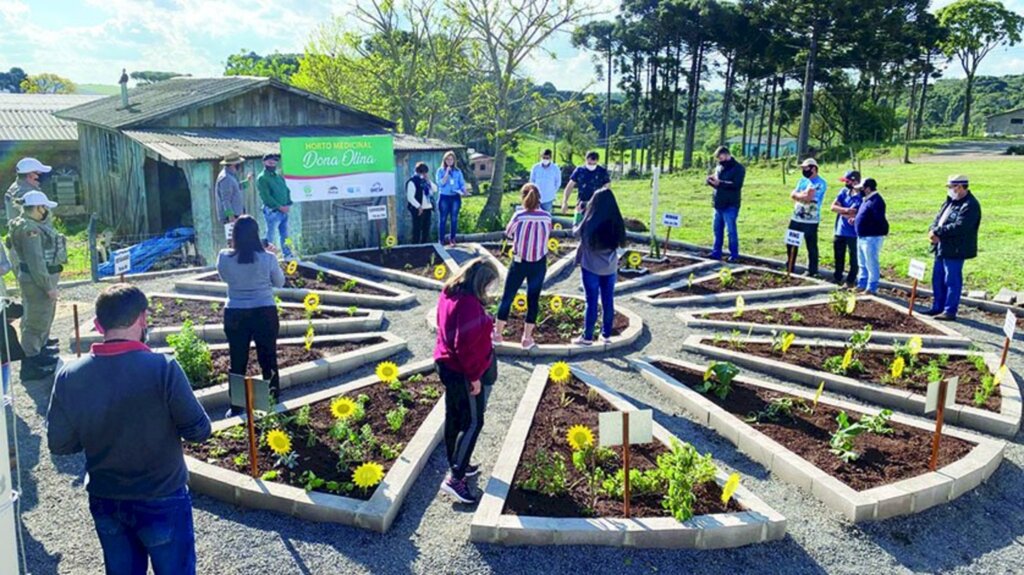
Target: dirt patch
171,312
311,279
743,280
317,451
877,368
548,433
556,327
878,315
417,260
883,459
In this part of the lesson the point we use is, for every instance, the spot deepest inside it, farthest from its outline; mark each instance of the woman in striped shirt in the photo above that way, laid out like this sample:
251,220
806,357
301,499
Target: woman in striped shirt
529,230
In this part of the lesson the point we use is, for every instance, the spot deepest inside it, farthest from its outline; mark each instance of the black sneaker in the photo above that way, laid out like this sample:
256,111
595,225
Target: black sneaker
932,312
472,470
458,489
33,372
43,359
52,342
945,317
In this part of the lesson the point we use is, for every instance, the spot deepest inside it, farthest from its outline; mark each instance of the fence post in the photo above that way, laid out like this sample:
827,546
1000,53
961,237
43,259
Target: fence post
94,263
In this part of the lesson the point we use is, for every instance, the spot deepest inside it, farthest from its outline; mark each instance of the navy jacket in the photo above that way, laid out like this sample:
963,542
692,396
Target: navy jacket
958,235
871,220
728,192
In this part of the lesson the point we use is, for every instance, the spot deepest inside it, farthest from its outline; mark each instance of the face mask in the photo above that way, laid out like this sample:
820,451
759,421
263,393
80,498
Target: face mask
952,194
269,167
545,163
591,167
808,172
46,214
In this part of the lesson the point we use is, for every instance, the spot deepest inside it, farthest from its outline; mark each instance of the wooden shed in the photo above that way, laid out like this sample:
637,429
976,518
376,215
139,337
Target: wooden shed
151,165
1009,123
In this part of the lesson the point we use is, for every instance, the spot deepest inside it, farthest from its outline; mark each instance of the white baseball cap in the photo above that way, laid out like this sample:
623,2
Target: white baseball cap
29,165
36,198
809,162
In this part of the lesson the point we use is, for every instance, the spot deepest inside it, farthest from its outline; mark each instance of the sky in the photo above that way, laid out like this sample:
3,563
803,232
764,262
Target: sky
89,41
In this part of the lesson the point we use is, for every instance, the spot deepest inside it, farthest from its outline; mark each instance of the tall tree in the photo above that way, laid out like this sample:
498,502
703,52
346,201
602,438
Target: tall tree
47,84
975,28
600,36
10,81
278,66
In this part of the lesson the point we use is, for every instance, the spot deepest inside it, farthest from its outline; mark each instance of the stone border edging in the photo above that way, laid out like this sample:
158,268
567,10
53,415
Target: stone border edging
376,513
1004,423
397,298
624,339
338,260
214,332
904,497
948,337
650,298
324,368
566,261
700,265
489,525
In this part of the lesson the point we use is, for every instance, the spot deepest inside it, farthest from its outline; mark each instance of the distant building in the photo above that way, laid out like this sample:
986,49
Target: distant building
29,128
482,165
1009,123
784,147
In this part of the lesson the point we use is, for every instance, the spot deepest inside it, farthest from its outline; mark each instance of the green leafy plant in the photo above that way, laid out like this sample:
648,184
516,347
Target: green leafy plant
391,452
396,417
725,277
546,473
192,354
985,389
683,468
841,443
589,462
302,416
310,481
351,310
718,378
641,483
878,423
778,408
430,392
842,301
655,249
349,285
796,317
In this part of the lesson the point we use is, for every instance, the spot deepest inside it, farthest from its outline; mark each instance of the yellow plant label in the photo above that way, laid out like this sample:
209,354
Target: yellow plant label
817,394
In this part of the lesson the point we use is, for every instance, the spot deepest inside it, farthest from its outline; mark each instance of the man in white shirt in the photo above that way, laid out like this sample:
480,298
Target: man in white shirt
547,176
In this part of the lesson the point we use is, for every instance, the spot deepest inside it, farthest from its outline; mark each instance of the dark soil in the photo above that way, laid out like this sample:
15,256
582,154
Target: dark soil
548,432
673,262
921,299
170,311
877,369
743,280
883,459
310,279
879,316
317,451
418,260
564,249
560,328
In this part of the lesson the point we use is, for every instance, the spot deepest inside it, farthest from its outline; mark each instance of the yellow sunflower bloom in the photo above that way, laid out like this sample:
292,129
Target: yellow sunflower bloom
731,485
387,371
560,372
553,245
897,367
634,259
511,253
292,267
279,442
557,227
519,303
440,271
311,302
343,408
555,303
390,241
368,475
915,344
580,437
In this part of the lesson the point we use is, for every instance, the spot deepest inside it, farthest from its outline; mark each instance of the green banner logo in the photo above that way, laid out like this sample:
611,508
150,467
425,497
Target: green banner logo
331,157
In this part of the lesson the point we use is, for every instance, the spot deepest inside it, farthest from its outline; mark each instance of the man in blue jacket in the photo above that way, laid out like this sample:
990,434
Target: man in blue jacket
954,238
727,182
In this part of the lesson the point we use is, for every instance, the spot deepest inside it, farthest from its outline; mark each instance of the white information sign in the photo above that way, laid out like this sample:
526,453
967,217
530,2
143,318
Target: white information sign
1010,324
671,220
374,213
229,228
794,238
641,424
932,401
916,271
122,262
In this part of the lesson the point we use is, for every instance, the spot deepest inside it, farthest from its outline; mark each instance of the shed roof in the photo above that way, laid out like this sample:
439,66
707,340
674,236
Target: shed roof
161,99
29,117
1006,113
189,144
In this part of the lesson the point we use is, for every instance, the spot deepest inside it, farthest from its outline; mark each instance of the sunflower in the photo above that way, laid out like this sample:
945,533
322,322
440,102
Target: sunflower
343,408
387,371
897,367
634,259
292,267
557,227
579,437
368,474
553,245
511,253
914,345
555,303
560,372
440,271
390,241
519,303
279,442
311,302
851,304
309,338
731,485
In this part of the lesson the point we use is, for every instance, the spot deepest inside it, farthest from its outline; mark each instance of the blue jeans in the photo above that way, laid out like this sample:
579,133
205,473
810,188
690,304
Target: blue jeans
277,225
947,283
869,250
448,206
6,372
136,532
548,206
593,285
725,219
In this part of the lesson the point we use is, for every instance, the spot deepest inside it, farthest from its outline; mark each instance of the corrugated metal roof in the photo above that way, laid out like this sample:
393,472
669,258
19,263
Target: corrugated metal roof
29,117
184,144
154,101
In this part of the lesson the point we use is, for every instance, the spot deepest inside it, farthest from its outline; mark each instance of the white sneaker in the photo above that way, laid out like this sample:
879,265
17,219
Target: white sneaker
582,341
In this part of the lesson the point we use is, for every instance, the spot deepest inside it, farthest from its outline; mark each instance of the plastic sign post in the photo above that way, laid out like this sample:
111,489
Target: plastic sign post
1009,328
229,228
617,428
941,394
916,271
374,213
251,424
122,263
670,220
793,240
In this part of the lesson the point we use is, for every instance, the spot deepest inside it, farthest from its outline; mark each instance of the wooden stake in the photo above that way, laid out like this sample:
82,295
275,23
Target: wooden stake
789,262
1006,351
122,278
913,298
251,424
78,338
625,461
667,235
940,410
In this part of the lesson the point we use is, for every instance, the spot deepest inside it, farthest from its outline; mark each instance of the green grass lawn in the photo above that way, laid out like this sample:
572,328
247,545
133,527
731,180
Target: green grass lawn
913,194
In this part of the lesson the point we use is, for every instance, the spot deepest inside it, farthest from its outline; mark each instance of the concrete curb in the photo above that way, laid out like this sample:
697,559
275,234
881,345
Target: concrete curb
624,339
566,261
1005,423
376,513
904,497
760,523
651,298
340,261
948,336
396,298
666,275
330,366
214,332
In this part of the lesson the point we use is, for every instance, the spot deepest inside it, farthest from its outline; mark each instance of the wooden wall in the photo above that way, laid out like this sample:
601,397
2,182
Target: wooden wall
117,196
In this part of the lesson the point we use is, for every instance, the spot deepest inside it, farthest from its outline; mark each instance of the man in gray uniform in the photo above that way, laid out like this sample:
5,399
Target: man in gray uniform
230,200
29,170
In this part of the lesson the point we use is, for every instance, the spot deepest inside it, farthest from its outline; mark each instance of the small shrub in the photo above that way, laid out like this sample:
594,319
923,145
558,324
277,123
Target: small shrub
192,354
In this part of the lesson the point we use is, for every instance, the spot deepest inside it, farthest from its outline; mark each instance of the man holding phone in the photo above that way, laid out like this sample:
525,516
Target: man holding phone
807,199
588,178
727,181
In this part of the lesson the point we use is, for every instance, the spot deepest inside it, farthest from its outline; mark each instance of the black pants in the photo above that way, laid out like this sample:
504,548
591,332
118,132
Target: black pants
533,273
259,325
811,239
463,414
840,246
420,225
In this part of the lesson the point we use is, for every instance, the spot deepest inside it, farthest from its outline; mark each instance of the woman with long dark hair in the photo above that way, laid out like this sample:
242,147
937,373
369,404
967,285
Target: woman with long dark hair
250,315
464,357
602,232
529,230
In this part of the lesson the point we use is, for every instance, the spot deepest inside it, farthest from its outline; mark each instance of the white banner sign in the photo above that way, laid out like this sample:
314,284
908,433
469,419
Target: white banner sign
916,271
122,262
794,238
671,220
932,401
8,541
374,213
1010,324
641,424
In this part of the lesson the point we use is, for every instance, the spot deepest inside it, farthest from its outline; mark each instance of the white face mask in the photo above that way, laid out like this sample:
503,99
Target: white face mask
591,167
952,194
545,163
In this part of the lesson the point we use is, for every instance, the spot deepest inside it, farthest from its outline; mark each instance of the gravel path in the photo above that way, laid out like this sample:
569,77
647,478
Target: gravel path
979,533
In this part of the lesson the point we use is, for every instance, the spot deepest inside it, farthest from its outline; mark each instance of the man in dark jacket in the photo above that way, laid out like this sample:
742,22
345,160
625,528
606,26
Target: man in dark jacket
954,238
728,184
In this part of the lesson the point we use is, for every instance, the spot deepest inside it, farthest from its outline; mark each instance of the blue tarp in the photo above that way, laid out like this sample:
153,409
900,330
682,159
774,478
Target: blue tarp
149,252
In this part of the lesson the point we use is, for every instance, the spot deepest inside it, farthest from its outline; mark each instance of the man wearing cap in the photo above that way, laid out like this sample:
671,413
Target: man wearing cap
954,238
42,253
844,240
727,181
807,199
230,202
277,201
29,170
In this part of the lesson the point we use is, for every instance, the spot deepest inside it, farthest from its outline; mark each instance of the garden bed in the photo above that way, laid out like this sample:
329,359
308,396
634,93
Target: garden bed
654,270
421,265
880,473
516,510
306,479
727,284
